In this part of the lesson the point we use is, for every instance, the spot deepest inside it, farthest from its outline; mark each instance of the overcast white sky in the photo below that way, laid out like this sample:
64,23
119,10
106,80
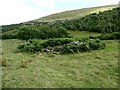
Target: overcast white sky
16,11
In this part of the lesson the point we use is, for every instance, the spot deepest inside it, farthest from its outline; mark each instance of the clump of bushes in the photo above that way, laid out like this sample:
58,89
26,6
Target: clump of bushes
32,32
96,44
75,47
107,36
56,42
31,46
35,45
9,35
83,46
62,45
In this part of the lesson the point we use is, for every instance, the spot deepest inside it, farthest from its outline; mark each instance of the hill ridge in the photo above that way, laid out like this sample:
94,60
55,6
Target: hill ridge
77,13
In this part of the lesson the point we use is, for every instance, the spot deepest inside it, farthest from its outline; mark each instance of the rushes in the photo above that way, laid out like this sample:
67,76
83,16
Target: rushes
24,64
4,64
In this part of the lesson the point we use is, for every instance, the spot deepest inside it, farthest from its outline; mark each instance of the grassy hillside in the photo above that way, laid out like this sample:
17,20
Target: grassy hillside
45,70
90,69
75,13
103,22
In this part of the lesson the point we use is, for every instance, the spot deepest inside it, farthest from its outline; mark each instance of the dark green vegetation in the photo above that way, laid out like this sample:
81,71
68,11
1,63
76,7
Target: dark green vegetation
12,34
26,33
107,36
103,22
6,28
62,45
62,53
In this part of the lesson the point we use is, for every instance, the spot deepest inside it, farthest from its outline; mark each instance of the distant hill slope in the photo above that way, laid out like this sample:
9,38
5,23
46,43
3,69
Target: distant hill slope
75,13
102,22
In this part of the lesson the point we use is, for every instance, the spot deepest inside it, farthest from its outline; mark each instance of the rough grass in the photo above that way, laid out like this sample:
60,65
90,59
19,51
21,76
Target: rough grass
75,13
93,69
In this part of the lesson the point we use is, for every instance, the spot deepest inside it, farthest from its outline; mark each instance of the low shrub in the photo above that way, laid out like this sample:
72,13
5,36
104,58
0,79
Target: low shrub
31,46
75,47
56,42
35,45
83,46
107,36
62,45
9,35
96,44
32,32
